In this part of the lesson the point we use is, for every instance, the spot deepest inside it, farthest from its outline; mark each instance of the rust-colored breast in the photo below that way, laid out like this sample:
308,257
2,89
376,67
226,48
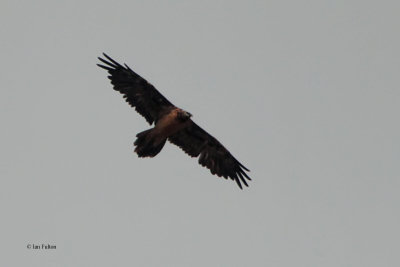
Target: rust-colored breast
169,124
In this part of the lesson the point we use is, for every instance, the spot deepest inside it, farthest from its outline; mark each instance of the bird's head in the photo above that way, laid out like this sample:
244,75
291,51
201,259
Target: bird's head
188,114
184,115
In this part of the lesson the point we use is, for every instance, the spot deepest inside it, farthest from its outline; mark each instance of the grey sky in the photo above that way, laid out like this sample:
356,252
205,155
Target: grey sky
303,93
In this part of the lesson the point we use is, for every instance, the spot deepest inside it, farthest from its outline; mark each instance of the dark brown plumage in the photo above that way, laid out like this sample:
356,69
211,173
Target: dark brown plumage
171,123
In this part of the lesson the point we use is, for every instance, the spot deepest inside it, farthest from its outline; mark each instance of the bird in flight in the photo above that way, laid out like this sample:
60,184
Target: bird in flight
170,123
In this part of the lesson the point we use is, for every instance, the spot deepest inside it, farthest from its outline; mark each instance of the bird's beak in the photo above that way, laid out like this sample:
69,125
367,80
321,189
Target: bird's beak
188,114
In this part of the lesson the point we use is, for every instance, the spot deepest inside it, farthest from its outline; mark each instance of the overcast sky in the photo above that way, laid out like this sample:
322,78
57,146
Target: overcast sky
304,93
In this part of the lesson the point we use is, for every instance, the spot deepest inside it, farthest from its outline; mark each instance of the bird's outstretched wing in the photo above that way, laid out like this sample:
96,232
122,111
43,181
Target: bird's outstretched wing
195,141
137,91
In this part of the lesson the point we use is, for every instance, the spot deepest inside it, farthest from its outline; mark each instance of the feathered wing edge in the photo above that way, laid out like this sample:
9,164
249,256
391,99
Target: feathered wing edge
139,93
195,142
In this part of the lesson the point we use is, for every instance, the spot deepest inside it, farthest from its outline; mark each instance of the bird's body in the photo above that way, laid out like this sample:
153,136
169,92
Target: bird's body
171,123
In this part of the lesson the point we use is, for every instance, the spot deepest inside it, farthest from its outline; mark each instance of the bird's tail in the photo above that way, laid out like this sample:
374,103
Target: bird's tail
146,145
